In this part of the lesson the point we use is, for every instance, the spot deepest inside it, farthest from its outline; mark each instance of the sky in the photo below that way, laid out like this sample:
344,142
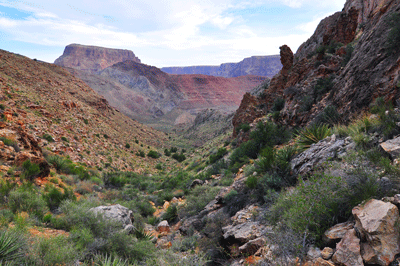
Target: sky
162,32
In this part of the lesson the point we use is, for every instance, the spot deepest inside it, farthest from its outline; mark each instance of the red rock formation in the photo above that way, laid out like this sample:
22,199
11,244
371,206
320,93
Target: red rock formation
93,58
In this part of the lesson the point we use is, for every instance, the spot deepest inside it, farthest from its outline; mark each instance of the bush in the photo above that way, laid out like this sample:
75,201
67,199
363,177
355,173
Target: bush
323,86
179,157
127,145
393,39
30,170
114,179
145,208
54,196
171,214
278,104
167,152
140,153
243,127
27,200
311,135
198,198
306,104
215,157
48,137
153,154
347,56
328,116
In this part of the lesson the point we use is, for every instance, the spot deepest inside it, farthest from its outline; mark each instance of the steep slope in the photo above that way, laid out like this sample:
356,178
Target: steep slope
346,64
92,58
67,117
266,66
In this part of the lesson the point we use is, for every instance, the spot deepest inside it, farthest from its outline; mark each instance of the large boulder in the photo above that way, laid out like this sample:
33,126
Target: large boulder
337,232
377,222
391,147
243,232
348,251
325,150
117,213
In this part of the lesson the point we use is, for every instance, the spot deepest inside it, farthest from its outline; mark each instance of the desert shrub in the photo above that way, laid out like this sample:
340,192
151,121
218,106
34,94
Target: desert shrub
243,127
114,179
306,103
387,118
6,186
145,208
153,154
328,116
84,187
167,152
108,260
215,157
278,104
168,257
10,142
173,149
127,145
322,86
393,39
12,245
66,166
241,154
85,121
171,214
27,200
185,244
30,170
349,53
322,201
159,166
53,251
64,139
48,137
269,134
198,198
54,196
311,135
179,157
141,153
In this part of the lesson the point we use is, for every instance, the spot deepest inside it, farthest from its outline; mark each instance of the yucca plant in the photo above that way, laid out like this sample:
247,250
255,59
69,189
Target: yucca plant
105,260
11,245
311,135
141,234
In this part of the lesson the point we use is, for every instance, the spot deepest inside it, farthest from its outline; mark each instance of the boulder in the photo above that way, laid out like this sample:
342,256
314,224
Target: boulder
377,222
337,232
163,227
348,250
327,253
116,213
196,182
251,247
391,147
325,150
243,232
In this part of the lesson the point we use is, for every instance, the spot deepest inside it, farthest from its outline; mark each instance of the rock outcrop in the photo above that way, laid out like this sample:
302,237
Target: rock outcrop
349,52
93,58
117,213
267,66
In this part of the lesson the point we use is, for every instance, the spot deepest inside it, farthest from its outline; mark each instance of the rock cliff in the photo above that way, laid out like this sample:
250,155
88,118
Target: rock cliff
345,65
92,58
266,66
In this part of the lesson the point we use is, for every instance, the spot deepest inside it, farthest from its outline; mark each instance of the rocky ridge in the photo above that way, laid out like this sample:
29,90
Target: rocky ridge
266,66
348,51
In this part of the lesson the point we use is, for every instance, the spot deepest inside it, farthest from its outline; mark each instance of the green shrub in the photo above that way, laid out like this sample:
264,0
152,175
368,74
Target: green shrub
28,200
347,56
393,39
141,153
328,116
106,260
48,137
322,86
278,105
153,154
215,157
167,152
159,166
127,145
179,157
8,142
64,139
54,196
198,198
311,135
114,179
145,208
85,121
243,127
307,103
173,149
30,170
171,214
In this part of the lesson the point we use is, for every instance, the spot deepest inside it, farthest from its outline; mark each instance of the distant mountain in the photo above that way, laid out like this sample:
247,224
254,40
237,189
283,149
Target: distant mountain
148,94
93,58
266,66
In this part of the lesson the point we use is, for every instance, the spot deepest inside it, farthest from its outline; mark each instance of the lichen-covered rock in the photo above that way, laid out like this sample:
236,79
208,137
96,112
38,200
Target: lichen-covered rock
243,232
391,147
117,213
337,232
163,227
348,251
377,222
327,253
251,247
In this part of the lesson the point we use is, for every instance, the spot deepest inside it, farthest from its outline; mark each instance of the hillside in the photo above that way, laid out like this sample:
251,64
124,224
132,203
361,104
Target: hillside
266,66
45,99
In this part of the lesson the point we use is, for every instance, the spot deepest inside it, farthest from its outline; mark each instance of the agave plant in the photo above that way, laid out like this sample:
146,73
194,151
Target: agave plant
141,234
105,260
311,135
11,245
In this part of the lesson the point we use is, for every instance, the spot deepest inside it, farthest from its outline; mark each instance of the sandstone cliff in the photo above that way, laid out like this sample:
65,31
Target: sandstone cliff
346,64
266,66
92,58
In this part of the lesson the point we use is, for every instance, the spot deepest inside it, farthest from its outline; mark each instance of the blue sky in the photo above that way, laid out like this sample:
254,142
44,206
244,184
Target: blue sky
163,32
